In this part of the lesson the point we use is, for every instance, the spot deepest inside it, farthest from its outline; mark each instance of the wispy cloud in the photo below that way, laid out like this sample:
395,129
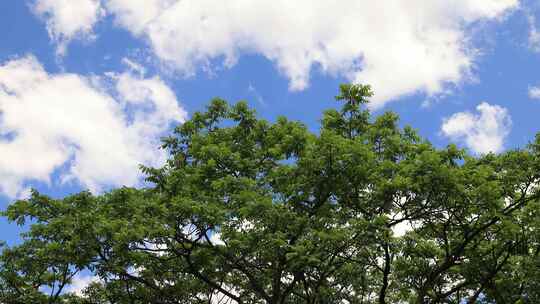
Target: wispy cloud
534,34
255,93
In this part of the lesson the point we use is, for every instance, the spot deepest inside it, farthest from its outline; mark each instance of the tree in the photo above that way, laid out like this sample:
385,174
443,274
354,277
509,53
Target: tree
248,211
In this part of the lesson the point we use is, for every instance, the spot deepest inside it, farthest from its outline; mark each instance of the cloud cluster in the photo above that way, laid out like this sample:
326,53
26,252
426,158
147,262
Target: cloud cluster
399,47
92,130
483,132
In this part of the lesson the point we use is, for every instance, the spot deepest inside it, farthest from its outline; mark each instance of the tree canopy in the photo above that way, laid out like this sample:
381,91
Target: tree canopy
250,211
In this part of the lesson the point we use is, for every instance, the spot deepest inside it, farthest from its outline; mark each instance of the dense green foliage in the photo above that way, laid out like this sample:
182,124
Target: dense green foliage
248,211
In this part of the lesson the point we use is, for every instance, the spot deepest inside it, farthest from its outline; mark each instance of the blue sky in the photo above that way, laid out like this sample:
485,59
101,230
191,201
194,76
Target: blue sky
87,87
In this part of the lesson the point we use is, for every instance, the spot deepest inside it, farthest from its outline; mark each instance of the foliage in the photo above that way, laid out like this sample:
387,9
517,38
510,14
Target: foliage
248,211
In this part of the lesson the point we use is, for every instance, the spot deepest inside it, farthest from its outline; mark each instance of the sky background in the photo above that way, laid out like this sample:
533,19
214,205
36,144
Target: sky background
87,87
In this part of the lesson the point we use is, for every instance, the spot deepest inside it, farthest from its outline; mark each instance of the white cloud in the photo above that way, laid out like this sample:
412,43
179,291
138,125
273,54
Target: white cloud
252,90
402,228
400,47
534,92
134,66
68,19
136,14
80,282
483,132
79,127
534,34
216,240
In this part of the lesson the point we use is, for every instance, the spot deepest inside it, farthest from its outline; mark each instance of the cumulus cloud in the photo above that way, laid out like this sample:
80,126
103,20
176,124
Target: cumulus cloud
400,47
483,132
68,19
92,130
534,92
135,15
80,282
